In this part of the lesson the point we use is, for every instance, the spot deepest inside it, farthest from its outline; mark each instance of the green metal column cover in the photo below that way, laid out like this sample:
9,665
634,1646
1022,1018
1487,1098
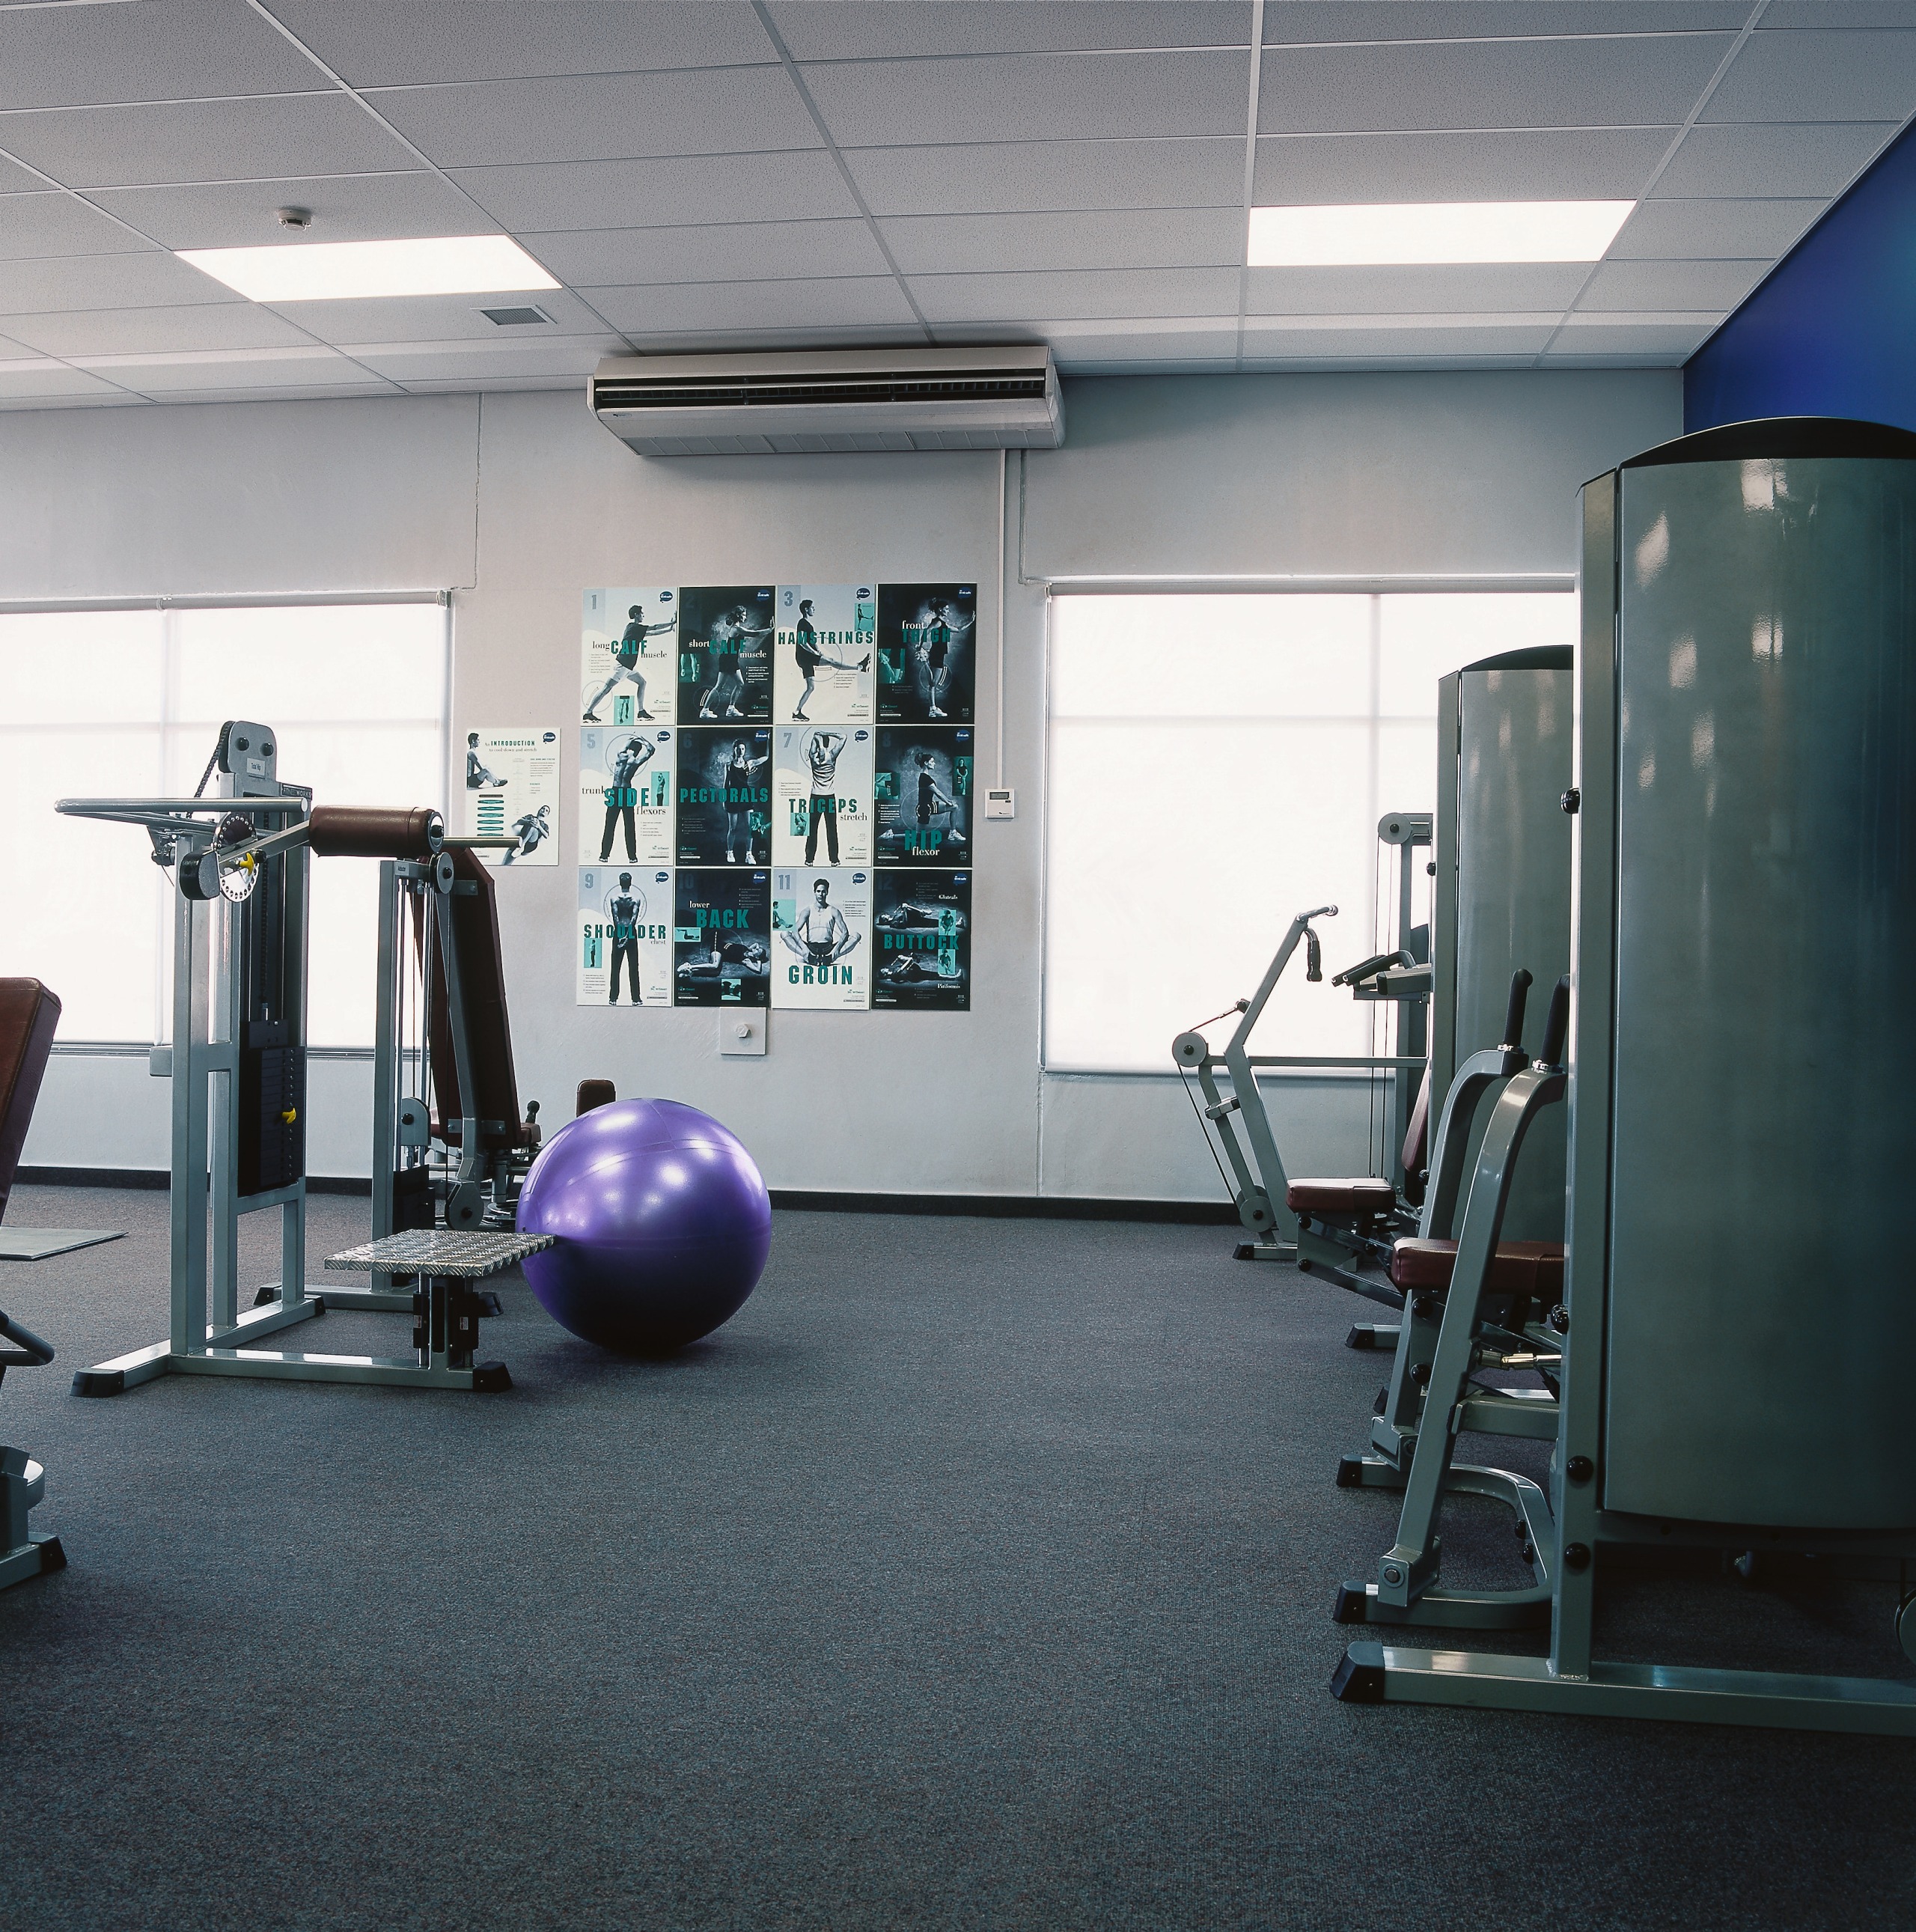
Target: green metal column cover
1761,1322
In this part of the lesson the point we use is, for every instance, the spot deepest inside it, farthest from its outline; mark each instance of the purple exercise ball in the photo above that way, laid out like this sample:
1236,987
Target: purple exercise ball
661,1221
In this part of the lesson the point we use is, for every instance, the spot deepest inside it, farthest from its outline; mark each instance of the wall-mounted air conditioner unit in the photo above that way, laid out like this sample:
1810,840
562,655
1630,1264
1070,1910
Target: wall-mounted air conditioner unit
799,401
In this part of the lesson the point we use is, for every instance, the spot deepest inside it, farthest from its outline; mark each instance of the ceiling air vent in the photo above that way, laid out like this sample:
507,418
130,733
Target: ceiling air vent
834,399
515,318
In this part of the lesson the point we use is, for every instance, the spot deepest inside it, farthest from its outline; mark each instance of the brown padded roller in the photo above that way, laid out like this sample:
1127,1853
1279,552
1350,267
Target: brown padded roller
369,831
29,1014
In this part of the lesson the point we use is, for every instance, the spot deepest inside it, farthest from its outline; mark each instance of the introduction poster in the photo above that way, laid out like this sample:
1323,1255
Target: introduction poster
512,792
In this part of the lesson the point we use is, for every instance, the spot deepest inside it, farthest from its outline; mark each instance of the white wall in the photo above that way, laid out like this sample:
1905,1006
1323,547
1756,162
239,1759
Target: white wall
520,501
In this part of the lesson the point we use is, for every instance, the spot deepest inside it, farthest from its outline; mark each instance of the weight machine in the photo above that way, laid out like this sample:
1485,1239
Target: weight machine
237,1063
1400,976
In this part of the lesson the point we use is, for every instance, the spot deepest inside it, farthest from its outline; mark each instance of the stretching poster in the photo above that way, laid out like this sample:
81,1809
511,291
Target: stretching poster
921,934
823,775
722,939
624,935
725,654
512,792
724,791
628,656
625,794
823,649
921,796
927,653
821,927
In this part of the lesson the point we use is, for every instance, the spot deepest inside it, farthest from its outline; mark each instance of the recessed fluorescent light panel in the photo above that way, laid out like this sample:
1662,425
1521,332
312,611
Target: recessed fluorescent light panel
441,264
1392,234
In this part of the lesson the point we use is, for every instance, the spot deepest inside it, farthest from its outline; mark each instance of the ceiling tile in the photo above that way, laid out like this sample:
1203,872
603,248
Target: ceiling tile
276,392
1154,238
1718,286
1819,159
51,223
202,141
602,117
1336,20
15,179
1576,164
466,385
736,251
1529,287
1713,230
346,208
1040,176
1088,294
708,341
434,318
373,44
1819,77
1788,15
127,331
662,193
1487,337
847,301
38,377
1028,96
816,30
408,362
1675,335
1650,80
159,50
154,279
225,369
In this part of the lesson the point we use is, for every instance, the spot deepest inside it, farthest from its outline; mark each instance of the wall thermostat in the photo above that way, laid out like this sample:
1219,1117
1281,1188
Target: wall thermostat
1000,802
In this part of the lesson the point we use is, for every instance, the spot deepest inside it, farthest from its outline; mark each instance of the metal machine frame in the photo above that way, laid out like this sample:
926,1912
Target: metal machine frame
217,845
24,1552
1257,1167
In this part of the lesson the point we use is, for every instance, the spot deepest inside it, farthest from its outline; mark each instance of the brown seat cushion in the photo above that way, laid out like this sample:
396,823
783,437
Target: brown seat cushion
594,1094
1534,1268
1363,1196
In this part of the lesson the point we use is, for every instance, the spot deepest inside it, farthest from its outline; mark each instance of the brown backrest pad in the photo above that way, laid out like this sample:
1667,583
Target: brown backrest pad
29,1014
594,1094
482,978
1417,1135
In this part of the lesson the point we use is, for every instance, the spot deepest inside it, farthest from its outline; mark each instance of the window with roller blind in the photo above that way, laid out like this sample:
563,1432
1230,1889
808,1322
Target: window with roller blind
1218,763
128,704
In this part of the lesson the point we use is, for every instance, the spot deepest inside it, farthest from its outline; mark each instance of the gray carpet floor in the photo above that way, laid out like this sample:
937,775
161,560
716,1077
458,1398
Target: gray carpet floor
977,1573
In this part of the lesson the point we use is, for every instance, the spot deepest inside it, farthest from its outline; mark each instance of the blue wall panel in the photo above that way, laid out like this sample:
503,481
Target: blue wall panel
1832,332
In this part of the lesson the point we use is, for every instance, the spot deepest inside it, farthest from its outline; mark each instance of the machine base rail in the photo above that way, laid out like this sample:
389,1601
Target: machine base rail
40,1555
1375,1673
115,1378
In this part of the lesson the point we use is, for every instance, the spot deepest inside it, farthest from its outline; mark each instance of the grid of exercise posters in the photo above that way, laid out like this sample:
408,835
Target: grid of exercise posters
775,795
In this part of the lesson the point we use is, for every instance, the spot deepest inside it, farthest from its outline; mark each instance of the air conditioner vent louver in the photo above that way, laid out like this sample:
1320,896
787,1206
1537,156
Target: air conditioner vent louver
970,398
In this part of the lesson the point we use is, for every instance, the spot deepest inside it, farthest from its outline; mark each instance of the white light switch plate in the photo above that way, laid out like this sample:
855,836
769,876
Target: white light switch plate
741,1031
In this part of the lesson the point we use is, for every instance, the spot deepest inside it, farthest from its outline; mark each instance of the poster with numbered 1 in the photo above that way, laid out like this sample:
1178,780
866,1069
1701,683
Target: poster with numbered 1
623,936
823,647
512,791
921,796
821,932
625,793
928,655
628,656
823,776
721,938
725,653
724,797
920,937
